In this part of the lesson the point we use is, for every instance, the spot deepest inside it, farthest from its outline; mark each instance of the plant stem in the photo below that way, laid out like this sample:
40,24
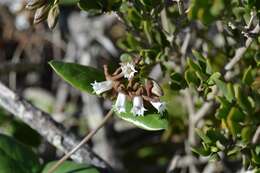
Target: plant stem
85,140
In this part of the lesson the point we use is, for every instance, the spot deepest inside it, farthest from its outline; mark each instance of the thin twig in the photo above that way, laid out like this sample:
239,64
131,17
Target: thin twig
253,15
256,135
84,141
15,59
173,163
241,51
202,111
191,112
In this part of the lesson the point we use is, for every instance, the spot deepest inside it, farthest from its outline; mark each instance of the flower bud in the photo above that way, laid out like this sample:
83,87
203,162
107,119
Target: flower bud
53,16
156,89
41,14
34,4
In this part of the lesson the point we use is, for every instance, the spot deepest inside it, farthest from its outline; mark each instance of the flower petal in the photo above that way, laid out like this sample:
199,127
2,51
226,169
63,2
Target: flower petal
160,106
128,70
138,106
100,87
120,102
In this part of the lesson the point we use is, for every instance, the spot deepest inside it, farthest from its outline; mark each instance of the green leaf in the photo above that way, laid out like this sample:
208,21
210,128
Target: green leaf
248,77
194,65
203,62
220,145
148,31
126,58
217,7
16,157
255,156
214,149
203,136
214,157
223,110
214,135
242,99
191,77
178,81
206,11
198,55
226,89
246,134
234,151
150,121
71,167
91,6
129,43
234,119
213,78
78,76
99,6
201,151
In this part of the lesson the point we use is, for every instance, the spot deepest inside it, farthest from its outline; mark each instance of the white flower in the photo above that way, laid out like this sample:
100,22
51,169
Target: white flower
160,106
128,70
100,87
138,106
120,102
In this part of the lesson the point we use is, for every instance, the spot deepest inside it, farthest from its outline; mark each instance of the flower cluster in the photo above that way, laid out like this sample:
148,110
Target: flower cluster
138,93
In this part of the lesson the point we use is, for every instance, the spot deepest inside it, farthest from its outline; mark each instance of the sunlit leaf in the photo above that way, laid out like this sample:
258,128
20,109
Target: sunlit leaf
78,76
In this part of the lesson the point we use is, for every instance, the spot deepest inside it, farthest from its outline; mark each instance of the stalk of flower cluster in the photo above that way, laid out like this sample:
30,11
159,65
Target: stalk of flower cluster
84,141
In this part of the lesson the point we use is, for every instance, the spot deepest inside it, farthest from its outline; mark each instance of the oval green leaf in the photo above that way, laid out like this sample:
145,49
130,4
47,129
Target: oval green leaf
150,121
93,7
78,76
69,167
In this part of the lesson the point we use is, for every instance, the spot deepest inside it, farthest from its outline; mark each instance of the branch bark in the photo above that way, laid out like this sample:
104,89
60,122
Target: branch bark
48,128
256,136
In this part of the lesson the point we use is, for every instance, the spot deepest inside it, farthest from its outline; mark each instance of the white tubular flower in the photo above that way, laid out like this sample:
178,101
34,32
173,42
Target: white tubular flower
138,106
128,70
160,106
120,102
100,87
